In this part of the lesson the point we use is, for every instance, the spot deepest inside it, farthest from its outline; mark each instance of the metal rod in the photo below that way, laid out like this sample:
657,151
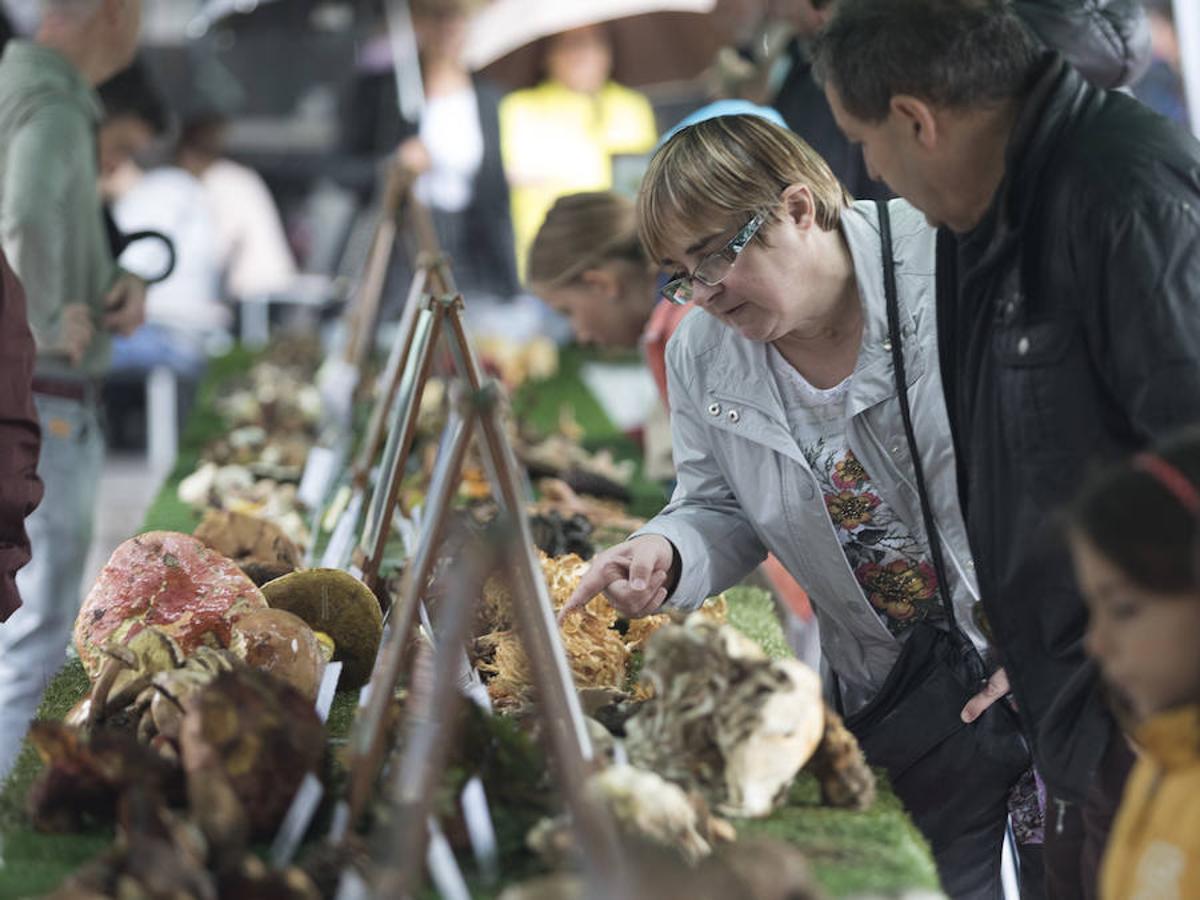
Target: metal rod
364,309
399,444
390,380
430,730
366,745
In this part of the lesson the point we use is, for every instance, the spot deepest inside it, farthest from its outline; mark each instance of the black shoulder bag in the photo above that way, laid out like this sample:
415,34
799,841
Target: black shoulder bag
912,727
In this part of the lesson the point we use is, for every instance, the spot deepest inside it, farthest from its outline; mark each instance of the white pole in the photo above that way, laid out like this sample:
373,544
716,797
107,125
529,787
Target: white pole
1187,26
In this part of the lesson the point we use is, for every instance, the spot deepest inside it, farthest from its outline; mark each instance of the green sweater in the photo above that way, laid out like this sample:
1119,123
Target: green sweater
51,225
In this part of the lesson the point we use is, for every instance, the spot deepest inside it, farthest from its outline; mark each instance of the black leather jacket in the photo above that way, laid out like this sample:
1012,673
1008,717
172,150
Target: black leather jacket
1069,325
1107,40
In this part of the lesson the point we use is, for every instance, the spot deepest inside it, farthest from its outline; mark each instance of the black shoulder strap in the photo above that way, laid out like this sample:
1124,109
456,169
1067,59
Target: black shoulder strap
897,347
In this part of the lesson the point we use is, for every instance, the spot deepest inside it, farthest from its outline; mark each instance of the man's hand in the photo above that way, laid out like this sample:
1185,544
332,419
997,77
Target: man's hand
632,575
75,332
995,689
414,156
125,305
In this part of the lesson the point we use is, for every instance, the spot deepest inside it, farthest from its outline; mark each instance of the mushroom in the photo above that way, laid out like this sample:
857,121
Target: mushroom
252,737
278,642
645,807
724,718
337,604
168,581
260,548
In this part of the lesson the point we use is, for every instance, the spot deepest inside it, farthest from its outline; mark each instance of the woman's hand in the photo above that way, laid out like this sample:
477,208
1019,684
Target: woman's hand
632,575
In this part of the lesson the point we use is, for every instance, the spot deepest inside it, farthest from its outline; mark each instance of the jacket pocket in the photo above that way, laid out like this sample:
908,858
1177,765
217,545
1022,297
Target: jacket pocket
1031,362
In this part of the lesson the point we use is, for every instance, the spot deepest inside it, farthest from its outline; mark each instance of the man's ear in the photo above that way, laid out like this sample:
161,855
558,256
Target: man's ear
917,118
110,11
602,281
798,205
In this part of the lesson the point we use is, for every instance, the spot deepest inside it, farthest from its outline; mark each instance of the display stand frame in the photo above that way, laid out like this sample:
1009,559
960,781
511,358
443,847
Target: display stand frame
508,549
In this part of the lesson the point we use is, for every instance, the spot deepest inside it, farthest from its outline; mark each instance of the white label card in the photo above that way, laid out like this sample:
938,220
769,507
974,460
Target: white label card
333,671
295,823
444,872
341,542
320,469
480,828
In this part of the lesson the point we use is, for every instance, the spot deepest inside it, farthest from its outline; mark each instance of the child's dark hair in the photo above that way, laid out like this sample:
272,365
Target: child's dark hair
1141,520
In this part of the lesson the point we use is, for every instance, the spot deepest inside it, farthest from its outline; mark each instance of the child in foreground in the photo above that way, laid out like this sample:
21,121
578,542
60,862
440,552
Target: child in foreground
1135,532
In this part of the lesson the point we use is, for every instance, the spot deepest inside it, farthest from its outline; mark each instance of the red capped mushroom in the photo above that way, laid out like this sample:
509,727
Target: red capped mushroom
170,581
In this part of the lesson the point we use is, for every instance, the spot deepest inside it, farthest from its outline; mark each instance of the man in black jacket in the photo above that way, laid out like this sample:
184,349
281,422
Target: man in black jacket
1069,325
1108,42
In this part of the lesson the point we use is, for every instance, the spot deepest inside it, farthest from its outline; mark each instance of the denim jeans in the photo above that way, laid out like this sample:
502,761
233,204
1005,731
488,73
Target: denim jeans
34,640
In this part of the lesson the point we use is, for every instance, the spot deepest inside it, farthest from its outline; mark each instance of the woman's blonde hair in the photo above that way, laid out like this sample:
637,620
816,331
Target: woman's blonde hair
726,167
581,232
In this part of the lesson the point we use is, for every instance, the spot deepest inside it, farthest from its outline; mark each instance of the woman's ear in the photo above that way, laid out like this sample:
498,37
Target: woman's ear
798,205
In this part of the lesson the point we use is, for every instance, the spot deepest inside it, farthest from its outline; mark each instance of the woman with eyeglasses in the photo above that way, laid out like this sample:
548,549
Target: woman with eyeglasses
789,438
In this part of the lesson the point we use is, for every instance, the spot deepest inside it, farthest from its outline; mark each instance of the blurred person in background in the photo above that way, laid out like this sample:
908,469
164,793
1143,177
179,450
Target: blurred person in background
252,250
1068,258
454,149
1134,536
587,263
135,117
801,101
20,437
52,231
560,137
185,313
1161,88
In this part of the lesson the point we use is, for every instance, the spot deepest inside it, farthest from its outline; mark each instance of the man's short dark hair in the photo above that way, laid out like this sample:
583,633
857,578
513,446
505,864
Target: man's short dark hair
949,53
132,92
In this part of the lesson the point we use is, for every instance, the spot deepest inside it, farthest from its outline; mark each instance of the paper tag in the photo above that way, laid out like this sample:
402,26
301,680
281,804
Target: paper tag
447,877
620,754
480,828
352,887
336,382
333,671
295,823
478,694
341,822
408,529
341,542
320,469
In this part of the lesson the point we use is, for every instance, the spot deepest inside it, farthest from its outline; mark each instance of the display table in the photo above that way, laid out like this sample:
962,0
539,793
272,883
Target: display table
877,852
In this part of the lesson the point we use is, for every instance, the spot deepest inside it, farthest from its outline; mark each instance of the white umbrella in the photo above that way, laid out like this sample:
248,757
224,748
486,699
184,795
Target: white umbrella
506,25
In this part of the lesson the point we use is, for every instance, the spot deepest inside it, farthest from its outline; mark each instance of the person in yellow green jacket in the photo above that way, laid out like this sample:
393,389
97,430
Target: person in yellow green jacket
1135,535
560,137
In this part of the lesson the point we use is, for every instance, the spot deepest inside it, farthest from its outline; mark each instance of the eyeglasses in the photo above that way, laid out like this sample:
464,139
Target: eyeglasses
715,267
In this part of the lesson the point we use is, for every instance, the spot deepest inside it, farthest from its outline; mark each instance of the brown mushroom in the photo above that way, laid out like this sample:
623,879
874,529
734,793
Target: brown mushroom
341,606
279,642
260,548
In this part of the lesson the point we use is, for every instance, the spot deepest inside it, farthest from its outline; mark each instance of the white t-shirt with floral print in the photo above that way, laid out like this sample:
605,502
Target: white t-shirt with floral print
890,562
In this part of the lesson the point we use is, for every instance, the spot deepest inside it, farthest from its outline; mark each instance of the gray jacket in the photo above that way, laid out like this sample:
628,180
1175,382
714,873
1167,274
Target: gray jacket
744,488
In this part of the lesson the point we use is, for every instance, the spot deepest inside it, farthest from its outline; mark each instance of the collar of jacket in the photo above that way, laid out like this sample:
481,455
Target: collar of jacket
737,370
1055,91
49,68
1172,738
